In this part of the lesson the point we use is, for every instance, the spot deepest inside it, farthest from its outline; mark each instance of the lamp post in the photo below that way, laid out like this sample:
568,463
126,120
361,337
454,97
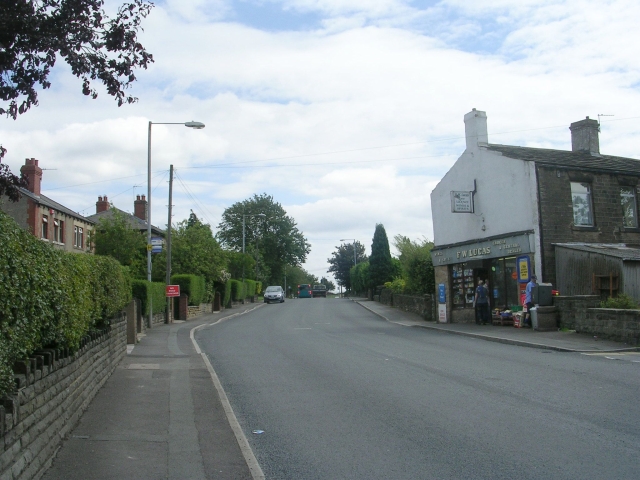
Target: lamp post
243,236
192,124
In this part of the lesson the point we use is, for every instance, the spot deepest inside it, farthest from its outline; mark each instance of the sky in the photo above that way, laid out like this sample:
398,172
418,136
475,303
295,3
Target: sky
347,112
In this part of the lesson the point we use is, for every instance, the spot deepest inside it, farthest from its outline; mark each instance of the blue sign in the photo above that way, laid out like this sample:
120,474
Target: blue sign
442,296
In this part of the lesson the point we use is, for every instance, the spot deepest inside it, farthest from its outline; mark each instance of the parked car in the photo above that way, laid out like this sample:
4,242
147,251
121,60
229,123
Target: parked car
305,291
274,293
319,291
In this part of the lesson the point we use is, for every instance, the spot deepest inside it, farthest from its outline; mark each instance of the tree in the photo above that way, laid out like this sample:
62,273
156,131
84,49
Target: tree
381,267
296,276
195,251
273,239
34,34
328,283
114,237
10,183
342,260
417,266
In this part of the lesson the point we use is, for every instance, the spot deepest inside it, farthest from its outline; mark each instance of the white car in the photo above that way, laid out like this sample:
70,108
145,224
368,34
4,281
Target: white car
274,293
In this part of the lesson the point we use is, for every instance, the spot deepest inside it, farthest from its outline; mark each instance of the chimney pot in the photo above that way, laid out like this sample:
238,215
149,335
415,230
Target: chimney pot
584,136
475,128
140,207
33,172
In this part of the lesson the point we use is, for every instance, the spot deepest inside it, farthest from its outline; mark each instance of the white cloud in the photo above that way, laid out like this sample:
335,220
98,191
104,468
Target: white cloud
300,111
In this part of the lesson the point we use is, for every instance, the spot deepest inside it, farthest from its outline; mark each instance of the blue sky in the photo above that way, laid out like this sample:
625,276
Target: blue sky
348,113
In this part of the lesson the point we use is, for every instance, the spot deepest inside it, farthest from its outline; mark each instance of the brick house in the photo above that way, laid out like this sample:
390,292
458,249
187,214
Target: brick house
500,210
47,219
137,221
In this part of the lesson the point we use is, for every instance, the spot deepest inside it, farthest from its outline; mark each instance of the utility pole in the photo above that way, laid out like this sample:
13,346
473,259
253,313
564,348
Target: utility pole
168,277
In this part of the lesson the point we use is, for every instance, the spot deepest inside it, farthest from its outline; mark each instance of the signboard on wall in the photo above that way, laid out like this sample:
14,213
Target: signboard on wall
442,296
507,246
461,202
442,313
524,269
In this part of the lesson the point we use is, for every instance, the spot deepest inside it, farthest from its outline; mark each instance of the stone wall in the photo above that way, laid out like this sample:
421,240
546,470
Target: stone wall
572,308
422,305
580,313
35,420
611,324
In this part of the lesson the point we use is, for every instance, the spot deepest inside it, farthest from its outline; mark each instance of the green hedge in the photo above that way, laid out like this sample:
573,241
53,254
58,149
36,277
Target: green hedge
250,287
226,296
49,297
191,285
143,290
237,291
258,288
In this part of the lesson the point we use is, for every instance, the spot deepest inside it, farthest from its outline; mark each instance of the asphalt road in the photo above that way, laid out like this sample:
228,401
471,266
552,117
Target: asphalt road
343,394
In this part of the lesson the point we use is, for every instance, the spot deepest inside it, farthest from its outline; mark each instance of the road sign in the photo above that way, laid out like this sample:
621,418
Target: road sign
173,291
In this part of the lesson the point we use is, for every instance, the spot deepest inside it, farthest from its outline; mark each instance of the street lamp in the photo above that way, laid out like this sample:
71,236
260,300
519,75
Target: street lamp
192,124
243,236
355,261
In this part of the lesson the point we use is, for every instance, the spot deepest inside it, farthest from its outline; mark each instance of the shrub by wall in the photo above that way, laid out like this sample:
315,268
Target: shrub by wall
258,288
237,291
49,297
191,285
250,287
226,296
144,291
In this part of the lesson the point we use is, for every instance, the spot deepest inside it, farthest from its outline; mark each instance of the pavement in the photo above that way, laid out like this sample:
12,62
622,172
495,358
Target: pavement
162,414
562,341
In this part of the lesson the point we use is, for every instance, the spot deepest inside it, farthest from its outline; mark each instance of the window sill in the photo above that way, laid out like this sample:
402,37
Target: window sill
578,228
630,229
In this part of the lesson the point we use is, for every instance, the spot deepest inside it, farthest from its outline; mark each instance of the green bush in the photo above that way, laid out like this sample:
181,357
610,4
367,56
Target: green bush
237,291
49,297
622,302
145,291
227,294
250,287
191,285
398,285
258,288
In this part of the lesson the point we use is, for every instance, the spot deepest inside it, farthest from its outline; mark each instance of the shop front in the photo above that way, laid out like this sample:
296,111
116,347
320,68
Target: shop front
503,263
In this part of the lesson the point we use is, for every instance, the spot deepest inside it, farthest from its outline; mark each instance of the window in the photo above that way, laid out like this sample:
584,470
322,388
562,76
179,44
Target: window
78,240
582,206
56,230
629,207
45,227
61,232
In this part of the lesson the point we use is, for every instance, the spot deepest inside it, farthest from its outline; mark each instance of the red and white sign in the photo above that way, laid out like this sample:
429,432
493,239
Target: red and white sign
173,291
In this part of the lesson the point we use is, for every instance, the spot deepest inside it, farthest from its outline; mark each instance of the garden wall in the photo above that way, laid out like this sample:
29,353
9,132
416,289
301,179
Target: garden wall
422,305
56,389
581,313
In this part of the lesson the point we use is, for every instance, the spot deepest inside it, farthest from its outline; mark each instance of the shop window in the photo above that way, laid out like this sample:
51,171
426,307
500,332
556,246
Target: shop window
505,289
462,288
45,227
582,204
629,207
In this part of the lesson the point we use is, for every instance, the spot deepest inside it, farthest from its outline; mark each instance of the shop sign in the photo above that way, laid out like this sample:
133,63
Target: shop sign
442,297
442,313
461,202
479,250
524,267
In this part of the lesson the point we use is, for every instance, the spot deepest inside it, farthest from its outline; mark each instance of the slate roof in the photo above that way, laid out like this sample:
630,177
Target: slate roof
132,220
582,160
47,202
618,250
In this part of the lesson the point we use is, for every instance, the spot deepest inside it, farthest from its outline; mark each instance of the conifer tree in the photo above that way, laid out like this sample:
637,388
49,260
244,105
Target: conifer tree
380,265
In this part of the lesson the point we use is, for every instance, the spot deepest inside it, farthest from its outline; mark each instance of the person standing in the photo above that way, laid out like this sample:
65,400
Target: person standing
482,303
528,299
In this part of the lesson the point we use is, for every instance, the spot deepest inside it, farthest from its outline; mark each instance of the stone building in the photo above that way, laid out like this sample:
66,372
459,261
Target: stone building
45,218
500,210
137,221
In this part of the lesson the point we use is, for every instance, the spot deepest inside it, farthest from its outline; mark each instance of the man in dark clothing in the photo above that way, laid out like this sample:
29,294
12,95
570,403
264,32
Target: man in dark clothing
482,303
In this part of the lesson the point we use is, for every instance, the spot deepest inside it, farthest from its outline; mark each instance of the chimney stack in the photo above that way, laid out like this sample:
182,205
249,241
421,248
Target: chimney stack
102,205
140,207
475,128
33,172
584,136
